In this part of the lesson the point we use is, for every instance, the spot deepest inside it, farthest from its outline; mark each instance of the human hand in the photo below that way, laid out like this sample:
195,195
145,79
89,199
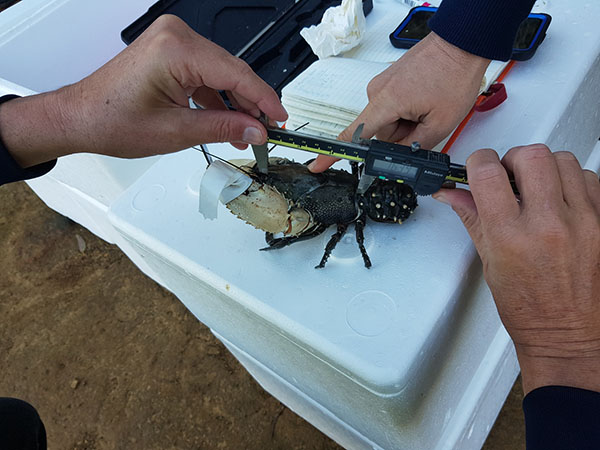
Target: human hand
421,97
541,258
137,104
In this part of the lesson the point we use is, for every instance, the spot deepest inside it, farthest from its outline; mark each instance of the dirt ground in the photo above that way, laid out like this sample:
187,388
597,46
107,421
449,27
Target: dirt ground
113,361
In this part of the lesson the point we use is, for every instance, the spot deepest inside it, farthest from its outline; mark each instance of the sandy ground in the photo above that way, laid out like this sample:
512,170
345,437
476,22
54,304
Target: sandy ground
113,361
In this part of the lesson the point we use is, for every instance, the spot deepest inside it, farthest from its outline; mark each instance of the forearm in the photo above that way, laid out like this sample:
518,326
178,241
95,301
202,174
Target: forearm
32,128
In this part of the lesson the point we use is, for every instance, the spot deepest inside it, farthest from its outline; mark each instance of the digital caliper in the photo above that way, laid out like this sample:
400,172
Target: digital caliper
423,170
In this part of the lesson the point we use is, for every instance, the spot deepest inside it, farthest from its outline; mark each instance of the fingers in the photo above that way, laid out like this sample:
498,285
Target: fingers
391,132
243,104
195,61
322,163
219,70
463,204
572,180
204,126
208,98
374,118
537,177
592,184
491,201
490,187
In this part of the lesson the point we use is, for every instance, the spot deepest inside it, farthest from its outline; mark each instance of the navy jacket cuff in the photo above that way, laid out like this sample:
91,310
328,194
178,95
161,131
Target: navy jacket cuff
561,417
486,28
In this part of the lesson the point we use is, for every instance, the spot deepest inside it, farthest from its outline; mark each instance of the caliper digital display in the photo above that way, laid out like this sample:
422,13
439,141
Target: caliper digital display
398,170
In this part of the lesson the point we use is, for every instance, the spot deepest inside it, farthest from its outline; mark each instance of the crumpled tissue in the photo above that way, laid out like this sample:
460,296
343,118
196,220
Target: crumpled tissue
220,182
341,29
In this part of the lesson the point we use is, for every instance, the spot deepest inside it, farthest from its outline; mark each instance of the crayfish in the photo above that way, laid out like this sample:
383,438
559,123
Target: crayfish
295,204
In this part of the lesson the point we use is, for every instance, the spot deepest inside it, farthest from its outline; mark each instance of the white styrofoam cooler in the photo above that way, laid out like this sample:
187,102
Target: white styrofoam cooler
387,354
410,354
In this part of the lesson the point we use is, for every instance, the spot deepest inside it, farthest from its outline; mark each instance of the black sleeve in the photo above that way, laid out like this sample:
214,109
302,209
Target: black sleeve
9,169
485,28
560,417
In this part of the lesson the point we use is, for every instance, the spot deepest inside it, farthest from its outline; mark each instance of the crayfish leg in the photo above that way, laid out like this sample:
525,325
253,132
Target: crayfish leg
335,238
277,243
359,226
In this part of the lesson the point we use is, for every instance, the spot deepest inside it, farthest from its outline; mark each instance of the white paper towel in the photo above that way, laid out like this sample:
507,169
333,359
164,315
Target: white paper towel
341,29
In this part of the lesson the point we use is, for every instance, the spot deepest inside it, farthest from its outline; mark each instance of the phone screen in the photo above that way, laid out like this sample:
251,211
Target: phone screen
417,27
527,32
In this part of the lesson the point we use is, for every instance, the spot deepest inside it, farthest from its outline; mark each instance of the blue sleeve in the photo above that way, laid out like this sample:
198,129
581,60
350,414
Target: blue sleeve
560,417
9,169
485,28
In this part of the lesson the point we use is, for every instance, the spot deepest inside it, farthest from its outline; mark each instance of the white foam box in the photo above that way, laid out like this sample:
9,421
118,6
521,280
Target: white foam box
48,44
384,354
410,354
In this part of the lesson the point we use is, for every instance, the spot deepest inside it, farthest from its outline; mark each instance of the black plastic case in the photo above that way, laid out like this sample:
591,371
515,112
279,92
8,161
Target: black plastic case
229,23
279,53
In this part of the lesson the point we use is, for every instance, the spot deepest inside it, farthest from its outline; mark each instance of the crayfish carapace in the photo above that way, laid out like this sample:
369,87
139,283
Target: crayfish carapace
297,204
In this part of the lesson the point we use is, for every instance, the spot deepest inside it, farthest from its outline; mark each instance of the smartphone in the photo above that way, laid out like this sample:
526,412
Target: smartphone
530,34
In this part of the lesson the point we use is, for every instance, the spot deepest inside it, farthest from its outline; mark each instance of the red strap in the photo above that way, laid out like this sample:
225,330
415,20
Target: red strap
494,96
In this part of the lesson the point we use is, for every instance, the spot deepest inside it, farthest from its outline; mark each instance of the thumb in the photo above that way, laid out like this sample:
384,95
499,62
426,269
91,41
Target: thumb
208,126
372,117
322,163
463,205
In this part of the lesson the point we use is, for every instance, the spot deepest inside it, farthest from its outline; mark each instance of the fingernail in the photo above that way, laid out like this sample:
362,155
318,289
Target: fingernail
312,165
252,136
440,198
